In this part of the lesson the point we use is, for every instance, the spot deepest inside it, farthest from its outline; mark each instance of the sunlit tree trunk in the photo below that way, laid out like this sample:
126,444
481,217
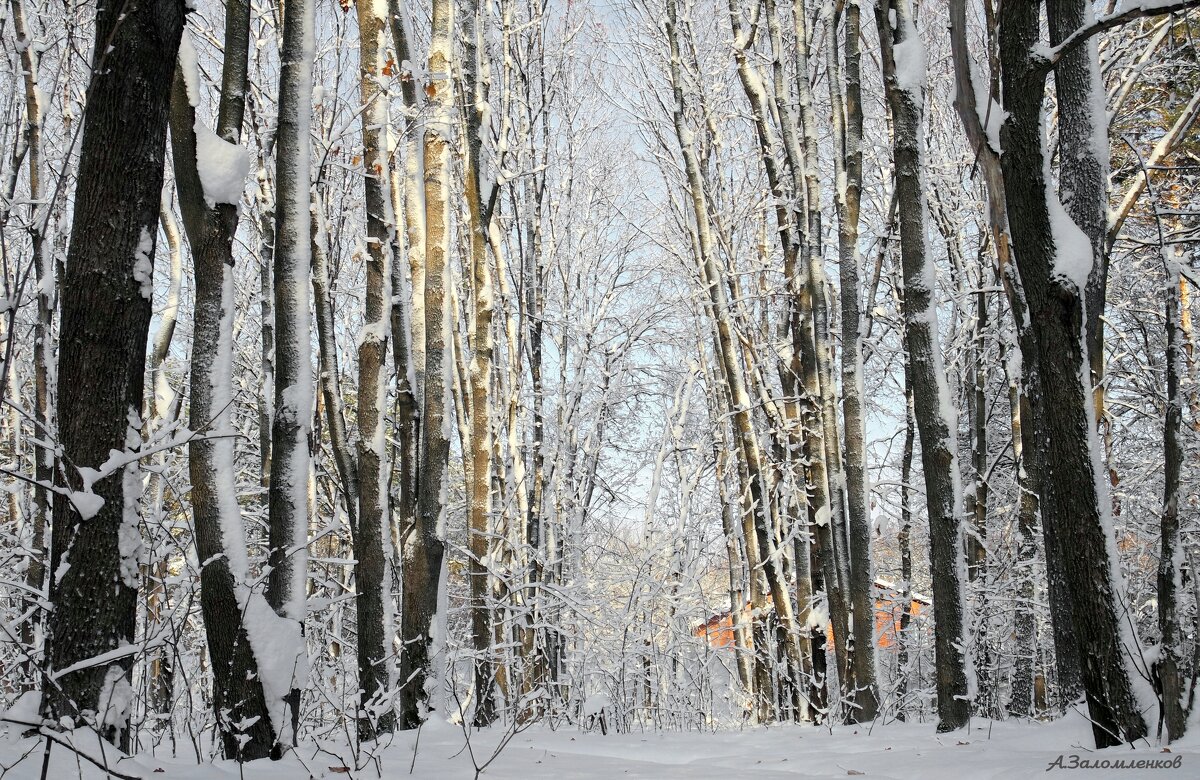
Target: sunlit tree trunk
372,538
423,545
211,224
479,372
44,276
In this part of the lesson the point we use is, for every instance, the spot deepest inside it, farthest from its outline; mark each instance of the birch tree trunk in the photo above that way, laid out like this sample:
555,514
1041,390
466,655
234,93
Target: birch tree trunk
162,409
408,323
43,266
822,448
1022,703
479,373
423,545
96,543
904,76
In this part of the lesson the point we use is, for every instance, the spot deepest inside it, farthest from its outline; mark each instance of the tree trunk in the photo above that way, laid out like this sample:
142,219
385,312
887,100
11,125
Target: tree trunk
479,371
423,546
808,289
1083,166
1025,622
1170,677
1054,258
988,150
848,129
372,539
288,503
904,542
43,370
931,394
238,696
96,543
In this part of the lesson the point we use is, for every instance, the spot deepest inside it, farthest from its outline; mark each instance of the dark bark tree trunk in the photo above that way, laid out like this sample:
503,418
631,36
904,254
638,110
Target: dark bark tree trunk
1083,166
1049,261
904,542
288,495
237,690
371,539
106,310
1170,676
1070,684
931,395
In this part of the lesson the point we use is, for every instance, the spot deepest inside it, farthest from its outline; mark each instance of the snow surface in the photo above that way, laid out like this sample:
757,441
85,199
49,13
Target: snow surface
987,751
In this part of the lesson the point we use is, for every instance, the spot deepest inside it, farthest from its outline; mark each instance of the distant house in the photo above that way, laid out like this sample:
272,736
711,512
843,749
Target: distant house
889,610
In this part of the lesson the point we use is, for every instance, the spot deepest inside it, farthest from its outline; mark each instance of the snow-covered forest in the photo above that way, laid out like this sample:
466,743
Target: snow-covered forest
648,388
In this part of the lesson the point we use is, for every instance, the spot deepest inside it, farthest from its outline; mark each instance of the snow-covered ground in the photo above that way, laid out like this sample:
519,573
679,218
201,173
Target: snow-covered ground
986,751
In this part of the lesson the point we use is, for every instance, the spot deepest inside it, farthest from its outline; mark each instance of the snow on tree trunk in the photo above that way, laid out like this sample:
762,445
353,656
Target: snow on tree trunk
480,443
285,670
1170,561
904,75
423,544
372,540
239,703
1054,258
848,130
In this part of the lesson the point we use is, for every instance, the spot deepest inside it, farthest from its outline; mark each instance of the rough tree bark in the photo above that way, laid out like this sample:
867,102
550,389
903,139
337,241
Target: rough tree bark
904,75
371,538
210,226
479,372
967,103
1170,561
288,507
96,543
1054,260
